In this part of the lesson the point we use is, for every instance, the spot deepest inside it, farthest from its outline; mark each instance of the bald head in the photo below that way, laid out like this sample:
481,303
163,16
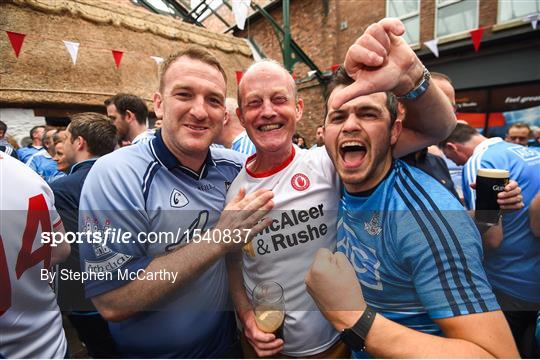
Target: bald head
259,71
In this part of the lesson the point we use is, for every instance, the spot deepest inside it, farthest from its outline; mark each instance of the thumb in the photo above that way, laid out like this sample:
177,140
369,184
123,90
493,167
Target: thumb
392,25
240,195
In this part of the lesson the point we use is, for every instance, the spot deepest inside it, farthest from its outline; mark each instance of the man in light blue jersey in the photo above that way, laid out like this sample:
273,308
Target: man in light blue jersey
168,296
128,114
409,252
512,259
36,134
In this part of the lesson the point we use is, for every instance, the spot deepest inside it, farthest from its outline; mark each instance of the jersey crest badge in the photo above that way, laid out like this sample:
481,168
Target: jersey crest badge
178,199
373,227
300,182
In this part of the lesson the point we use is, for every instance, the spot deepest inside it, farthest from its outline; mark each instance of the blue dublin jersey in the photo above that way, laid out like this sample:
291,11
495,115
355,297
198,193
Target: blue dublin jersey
141,190
514,267
415,250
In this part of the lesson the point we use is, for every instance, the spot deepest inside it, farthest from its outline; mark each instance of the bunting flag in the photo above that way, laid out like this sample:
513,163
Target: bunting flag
73,49
476,36
533,19
240,10
239,75
433,46
117,54
157,59
334,68
16,40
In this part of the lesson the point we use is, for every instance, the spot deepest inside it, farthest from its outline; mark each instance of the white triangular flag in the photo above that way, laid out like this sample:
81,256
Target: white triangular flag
533,19
157,59
432,46
240,9
73,49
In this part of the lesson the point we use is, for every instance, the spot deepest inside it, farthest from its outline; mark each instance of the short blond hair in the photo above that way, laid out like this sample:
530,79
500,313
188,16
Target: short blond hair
195,53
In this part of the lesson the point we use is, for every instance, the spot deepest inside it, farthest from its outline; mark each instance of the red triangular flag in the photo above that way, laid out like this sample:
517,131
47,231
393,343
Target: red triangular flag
334,68
117,54
16,40
239,75
476,36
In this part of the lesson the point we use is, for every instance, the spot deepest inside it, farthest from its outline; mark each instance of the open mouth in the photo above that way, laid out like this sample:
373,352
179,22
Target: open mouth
270,127
353,153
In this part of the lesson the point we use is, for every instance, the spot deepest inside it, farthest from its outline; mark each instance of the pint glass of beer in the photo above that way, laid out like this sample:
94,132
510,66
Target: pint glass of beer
489,182
269,307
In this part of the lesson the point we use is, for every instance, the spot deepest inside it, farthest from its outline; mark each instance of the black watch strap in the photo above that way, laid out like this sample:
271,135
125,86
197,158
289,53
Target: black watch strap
355,337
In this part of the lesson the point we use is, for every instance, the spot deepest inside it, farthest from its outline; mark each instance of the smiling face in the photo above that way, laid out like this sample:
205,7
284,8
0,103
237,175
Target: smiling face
191,105
358,138
269,109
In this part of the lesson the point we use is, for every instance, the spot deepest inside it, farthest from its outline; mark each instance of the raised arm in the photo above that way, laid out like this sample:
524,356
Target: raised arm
380,60
188,261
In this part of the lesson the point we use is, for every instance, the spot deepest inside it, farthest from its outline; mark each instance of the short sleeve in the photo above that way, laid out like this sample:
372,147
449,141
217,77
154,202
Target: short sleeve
111,215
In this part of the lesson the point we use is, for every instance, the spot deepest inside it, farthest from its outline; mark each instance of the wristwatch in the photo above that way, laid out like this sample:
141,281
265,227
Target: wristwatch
419,89
355,337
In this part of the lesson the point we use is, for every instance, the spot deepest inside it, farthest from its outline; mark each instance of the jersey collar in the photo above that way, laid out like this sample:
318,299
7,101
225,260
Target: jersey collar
166,158
272,171
81,165
486,143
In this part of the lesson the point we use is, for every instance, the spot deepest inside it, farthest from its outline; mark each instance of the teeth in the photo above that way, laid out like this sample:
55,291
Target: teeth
270,127
351,143
196,127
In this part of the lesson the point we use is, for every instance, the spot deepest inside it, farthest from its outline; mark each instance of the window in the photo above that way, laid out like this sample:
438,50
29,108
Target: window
455,16
201,11
516,9
408,11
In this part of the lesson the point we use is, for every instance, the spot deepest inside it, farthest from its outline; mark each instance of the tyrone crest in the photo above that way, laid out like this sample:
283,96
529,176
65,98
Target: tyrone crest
373,227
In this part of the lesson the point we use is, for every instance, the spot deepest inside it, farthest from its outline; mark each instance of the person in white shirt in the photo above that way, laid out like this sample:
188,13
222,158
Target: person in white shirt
30,321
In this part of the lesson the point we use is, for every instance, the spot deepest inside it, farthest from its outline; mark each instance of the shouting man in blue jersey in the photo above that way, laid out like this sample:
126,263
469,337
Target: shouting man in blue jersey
168,298
416,272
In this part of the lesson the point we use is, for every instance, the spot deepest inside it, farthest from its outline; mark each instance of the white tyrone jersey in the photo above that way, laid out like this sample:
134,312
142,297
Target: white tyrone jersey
30,322
306,194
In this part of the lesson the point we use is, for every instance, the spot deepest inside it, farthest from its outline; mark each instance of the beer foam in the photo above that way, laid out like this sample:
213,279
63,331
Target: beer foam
494,173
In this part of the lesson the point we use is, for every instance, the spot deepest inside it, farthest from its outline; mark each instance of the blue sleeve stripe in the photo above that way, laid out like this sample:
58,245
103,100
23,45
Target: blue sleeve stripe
151,170
435,252
461,255
442,241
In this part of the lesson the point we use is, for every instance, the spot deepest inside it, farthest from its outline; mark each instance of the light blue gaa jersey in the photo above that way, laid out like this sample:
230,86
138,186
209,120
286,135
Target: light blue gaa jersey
416,252
514,267
140,189
243,144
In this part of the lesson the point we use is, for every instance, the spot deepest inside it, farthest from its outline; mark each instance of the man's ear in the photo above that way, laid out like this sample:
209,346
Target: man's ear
451,147
240,117
299,109
81,143
227,118
396,131
130,117
157,105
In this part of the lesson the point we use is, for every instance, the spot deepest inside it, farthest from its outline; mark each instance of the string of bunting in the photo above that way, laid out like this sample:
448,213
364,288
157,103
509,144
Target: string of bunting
477,34
17,40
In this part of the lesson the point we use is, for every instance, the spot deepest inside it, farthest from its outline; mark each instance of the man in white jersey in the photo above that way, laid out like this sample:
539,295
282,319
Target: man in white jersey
30,321
306,186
